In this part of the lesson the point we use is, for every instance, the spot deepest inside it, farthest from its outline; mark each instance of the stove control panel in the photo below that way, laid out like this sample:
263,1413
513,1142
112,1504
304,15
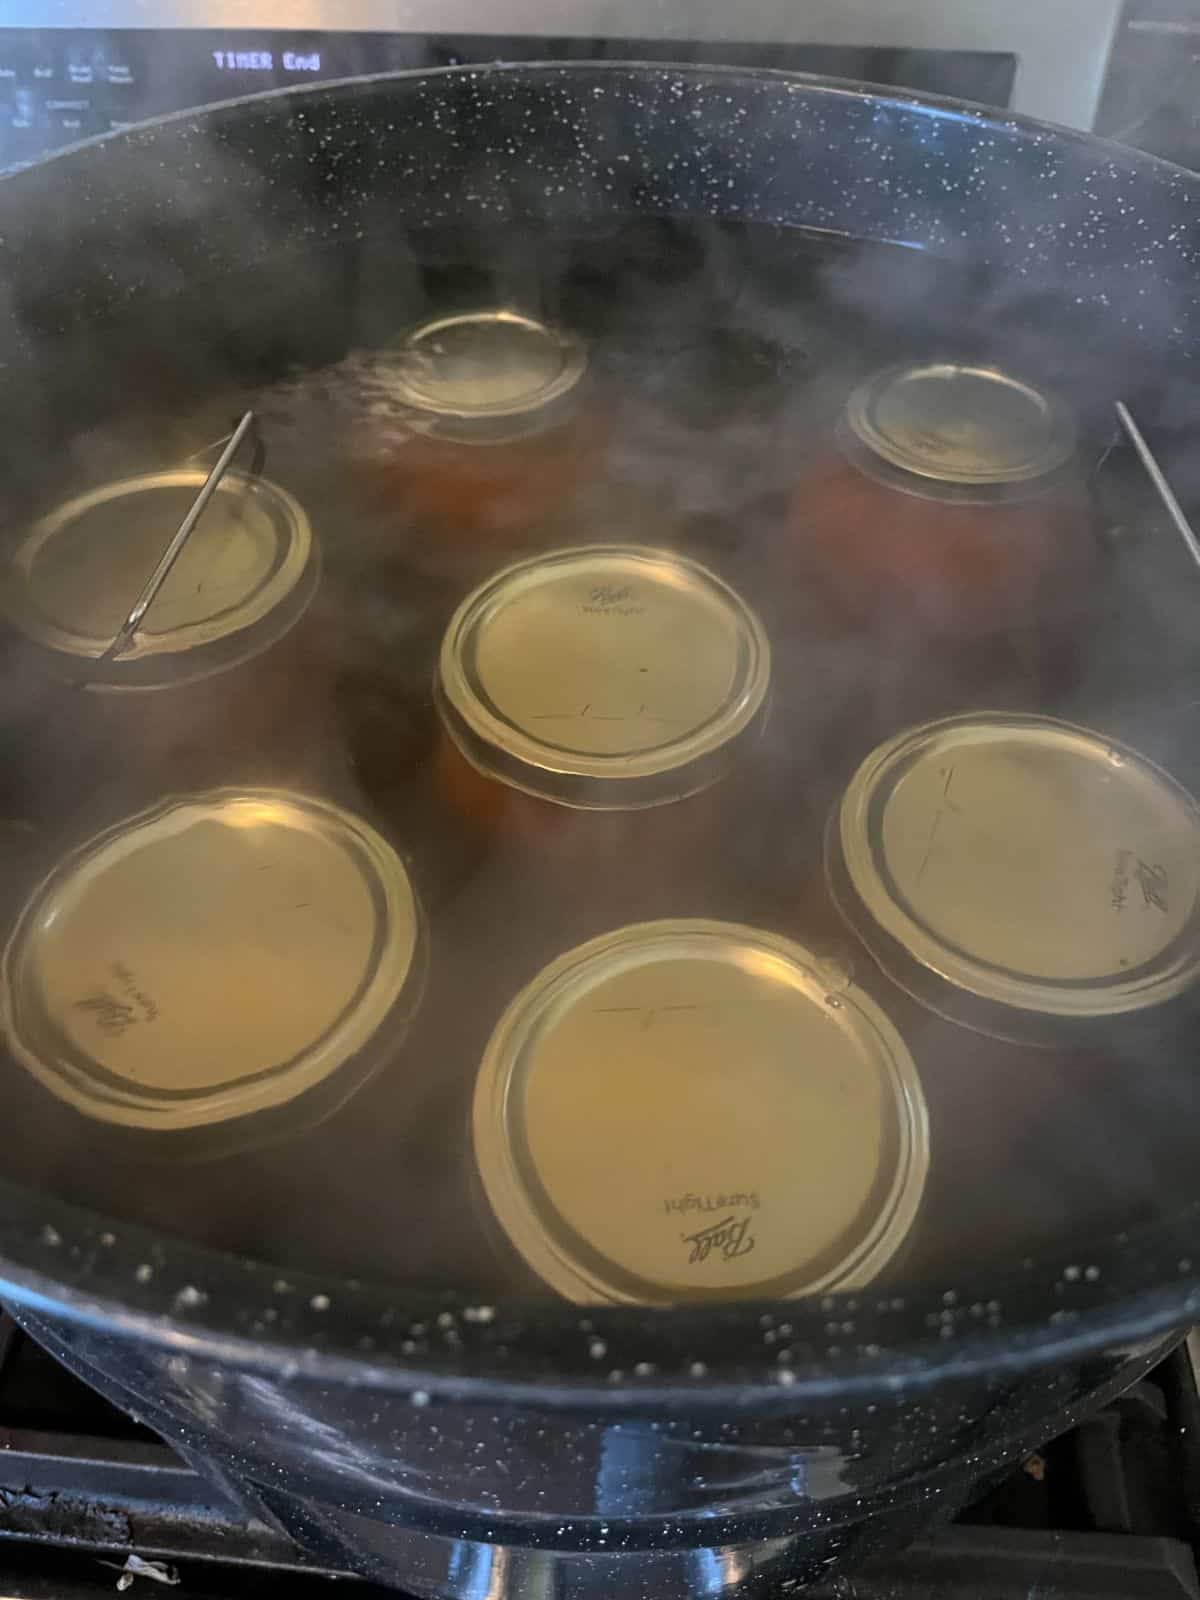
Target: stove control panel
61,85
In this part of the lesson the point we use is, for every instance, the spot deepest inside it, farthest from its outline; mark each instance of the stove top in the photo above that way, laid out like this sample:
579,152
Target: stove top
91,1503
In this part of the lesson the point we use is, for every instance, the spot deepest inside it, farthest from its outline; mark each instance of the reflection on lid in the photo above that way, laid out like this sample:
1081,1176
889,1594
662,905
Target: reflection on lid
214,957
608,676
485,367
240,580
1029,862
683,1110
960,425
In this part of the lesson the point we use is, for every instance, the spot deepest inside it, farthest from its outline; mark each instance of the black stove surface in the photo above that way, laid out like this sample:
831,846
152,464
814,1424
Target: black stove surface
91,1503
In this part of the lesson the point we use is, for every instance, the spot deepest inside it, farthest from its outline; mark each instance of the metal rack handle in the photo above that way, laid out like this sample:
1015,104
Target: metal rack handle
171,554
1159,479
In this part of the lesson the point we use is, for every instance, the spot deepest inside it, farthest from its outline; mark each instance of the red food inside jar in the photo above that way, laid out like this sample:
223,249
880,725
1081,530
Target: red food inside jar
941,566
483,429
663,839
950,507
268,717
497,491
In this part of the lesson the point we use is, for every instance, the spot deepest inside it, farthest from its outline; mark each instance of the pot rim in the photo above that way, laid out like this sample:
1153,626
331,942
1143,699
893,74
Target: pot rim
70,1265
825,87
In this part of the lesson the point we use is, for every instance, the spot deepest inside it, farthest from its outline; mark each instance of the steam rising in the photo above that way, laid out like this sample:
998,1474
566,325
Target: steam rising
721,353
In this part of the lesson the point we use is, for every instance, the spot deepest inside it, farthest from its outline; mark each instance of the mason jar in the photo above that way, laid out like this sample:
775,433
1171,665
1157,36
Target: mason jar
599,709
1022,876
485,427
951,504
226,678
685,1110
1023,896
218,970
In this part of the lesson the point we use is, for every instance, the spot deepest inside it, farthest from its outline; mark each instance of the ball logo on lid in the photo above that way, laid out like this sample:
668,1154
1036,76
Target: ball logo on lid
1151,878
731,1237
115,1016
618,597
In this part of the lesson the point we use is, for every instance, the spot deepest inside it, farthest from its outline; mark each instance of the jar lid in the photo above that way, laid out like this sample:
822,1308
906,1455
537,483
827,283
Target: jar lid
243,578
692,1110
483,376
1004,867
609,676
211,958
957,428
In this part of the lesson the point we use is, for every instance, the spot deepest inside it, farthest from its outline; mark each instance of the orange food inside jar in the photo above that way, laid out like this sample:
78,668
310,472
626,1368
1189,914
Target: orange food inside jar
591,703
495,491
666,840
949,508
491,431
270,717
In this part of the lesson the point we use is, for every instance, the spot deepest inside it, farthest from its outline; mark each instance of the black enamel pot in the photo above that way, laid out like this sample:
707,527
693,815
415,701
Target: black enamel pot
460,1445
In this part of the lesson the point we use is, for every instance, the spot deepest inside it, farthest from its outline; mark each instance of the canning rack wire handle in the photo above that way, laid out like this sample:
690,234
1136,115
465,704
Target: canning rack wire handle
183,533
1159,479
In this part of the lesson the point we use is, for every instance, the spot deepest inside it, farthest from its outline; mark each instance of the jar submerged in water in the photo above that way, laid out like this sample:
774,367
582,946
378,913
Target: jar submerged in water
953,499
1022,876
492,432
682,1110
217,970
219,674
591,702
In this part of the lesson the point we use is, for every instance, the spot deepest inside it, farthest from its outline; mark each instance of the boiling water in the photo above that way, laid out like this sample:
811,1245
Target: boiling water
720,358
